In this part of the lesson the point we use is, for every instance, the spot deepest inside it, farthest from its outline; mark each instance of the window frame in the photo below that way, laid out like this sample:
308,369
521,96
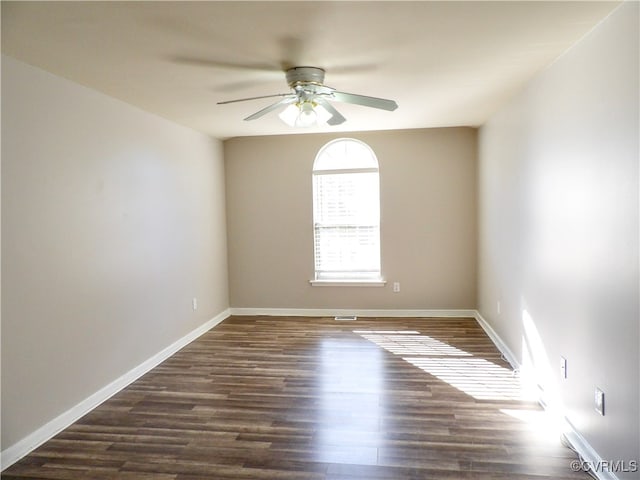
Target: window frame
374,280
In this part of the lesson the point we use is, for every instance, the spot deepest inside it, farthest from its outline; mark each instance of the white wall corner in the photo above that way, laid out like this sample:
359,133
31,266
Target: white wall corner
15,452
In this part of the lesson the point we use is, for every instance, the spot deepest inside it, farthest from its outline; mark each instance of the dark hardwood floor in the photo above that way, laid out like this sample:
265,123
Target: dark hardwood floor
311,398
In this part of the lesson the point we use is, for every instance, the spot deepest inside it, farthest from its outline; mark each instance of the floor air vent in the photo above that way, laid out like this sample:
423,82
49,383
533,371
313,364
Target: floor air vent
346,318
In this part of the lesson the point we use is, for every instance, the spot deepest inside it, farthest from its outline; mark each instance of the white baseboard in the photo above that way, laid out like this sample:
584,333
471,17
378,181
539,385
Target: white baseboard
18,450
497,341
332,312
586,452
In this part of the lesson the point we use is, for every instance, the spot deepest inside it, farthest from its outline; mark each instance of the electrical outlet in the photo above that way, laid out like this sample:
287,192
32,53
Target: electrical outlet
599,398
563,367
396,287
194,304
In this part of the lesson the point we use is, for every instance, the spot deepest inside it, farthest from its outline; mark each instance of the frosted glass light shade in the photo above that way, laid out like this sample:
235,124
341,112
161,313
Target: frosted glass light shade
304,115
289,115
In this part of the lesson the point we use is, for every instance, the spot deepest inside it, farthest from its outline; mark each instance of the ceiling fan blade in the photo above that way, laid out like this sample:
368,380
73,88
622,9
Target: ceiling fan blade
336,116
212,63
365,101
285,101
255,98
351,68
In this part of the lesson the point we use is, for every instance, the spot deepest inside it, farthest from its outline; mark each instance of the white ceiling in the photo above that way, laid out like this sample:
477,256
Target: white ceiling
445,63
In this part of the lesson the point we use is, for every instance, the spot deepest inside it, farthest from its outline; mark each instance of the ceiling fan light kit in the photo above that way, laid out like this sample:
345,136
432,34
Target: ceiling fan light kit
307,114
308,103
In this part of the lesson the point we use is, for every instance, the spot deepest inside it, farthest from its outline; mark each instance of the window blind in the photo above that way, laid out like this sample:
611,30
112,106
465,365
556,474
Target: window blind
347,224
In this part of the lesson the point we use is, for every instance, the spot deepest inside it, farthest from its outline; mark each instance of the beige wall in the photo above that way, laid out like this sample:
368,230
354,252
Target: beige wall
559,221
112,221
428,216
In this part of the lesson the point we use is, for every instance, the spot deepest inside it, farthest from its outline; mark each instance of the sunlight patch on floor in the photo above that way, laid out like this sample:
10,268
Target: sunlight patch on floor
477,377
410,343
540,422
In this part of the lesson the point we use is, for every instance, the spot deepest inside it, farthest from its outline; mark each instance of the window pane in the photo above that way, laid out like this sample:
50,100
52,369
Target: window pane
346,249
346,212
348,198
345,154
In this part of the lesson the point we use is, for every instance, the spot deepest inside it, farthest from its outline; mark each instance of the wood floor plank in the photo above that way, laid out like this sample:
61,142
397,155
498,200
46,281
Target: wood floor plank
288,398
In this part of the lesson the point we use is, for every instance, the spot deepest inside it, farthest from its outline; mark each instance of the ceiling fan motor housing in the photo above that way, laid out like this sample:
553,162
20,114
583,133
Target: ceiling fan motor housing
304,75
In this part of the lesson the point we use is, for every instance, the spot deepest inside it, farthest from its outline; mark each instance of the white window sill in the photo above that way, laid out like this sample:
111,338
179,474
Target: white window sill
348,283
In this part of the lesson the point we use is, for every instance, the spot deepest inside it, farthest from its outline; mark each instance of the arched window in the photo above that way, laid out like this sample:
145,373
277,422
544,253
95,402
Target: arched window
346,212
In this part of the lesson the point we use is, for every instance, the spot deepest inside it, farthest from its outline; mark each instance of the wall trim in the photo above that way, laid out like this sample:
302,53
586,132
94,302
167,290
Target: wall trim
586,453
15,452
497,341
332,312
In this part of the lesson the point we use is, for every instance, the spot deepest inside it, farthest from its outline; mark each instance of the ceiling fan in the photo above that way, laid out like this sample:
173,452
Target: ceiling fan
308,103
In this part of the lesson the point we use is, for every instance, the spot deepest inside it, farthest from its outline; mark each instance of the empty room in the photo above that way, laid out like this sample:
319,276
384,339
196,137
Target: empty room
320,240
